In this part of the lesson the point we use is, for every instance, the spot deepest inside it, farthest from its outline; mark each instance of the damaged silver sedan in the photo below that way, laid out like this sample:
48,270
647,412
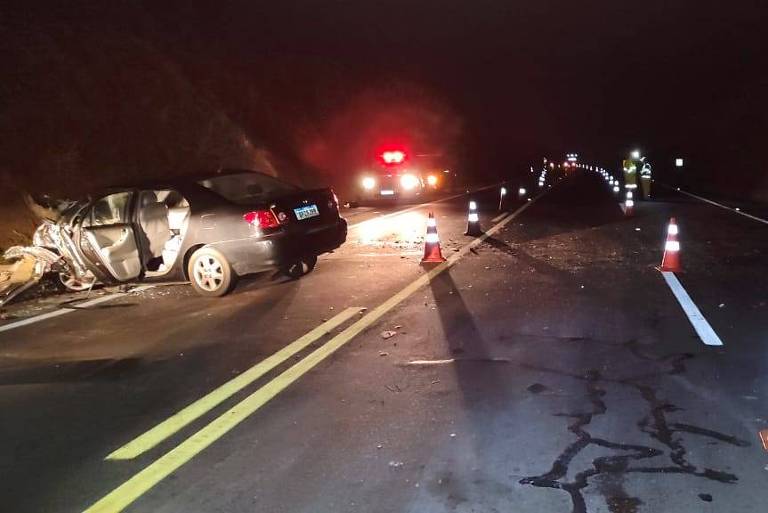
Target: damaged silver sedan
206,230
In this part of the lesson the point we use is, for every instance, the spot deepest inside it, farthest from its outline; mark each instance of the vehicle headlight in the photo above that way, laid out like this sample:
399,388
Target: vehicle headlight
409,181
369,183
432,180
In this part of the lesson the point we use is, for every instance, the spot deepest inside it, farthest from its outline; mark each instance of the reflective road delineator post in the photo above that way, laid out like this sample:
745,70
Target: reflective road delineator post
502,195
629,204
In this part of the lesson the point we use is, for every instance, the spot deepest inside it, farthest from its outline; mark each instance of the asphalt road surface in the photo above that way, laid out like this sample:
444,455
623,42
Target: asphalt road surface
546,367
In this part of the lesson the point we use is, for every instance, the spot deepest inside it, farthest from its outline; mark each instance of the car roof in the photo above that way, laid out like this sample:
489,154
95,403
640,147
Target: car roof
183,180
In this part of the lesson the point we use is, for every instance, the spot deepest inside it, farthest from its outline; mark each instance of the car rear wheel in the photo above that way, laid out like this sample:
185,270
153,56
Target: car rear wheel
300,267
210,273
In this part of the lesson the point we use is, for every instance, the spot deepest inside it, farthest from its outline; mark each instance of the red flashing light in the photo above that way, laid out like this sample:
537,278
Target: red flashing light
393,157
261,219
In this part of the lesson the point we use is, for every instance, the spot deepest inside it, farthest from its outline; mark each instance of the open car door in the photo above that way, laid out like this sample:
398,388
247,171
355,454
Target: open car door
107,238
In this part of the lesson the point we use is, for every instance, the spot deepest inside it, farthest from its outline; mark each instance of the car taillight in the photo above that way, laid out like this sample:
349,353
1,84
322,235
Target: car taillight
261,219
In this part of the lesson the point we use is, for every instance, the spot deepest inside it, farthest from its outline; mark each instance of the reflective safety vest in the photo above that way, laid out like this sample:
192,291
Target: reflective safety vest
630,173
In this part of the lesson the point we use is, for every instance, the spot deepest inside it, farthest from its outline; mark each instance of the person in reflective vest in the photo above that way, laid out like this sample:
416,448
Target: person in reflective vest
645,180
630,175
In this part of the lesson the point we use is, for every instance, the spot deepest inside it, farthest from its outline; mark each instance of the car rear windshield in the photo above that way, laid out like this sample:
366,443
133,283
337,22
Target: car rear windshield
247,188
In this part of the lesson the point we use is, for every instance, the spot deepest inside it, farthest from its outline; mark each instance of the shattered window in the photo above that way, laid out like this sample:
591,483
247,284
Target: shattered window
246,188
112,209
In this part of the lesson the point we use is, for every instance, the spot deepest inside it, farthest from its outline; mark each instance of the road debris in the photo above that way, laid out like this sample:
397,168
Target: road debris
388,334
396,464
537,388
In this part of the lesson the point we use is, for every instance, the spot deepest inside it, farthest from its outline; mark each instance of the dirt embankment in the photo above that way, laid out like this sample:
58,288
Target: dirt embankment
90,105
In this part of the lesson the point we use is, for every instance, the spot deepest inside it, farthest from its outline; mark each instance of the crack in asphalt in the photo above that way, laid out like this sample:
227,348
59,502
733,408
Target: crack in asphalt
613,469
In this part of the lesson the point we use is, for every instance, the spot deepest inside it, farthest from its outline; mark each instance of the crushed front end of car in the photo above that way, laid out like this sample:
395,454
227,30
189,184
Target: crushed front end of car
52,251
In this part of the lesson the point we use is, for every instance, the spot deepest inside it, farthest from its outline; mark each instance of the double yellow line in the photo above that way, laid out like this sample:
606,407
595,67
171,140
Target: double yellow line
125,494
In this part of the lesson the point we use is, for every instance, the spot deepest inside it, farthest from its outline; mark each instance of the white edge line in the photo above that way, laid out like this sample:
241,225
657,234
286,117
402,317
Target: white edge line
62,311
700,324
715,203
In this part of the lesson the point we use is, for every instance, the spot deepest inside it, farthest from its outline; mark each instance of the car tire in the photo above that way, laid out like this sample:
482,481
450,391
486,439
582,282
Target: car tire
300,267
210,273
74,284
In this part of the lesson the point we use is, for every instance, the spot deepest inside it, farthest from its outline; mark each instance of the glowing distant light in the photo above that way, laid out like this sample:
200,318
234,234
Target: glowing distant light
678,162
503,191
369,183
432,180
636,154
521,191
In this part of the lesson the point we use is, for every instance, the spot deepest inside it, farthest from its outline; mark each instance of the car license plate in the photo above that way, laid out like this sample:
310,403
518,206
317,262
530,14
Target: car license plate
306,212
387,193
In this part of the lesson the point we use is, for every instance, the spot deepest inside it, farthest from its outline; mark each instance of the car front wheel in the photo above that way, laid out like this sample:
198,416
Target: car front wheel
75,284
210,273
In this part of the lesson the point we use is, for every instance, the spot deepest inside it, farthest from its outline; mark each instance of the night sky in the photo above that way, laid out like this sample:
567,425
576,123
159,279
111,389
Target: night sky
534,77
508,81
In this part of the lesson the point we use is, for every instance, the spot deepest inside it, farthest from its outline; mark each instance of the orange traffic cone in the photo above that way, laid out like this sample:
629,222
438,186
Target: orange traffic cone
473,221
432,253
671,260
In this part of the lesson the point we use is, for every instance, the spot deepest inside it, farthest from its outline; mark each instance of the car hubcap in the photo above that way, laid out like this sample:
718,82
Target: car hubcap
73,283
209,273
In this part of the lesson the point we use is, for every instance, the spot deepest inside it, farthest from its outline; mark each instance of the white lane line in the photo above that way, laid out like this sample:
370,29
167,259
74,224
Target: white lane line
422,205
74,308
715,203
700,324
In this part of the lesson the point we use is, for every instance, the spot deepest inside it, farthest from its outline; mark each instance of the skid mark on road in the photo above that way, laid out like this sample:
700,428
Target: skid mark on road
654,423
